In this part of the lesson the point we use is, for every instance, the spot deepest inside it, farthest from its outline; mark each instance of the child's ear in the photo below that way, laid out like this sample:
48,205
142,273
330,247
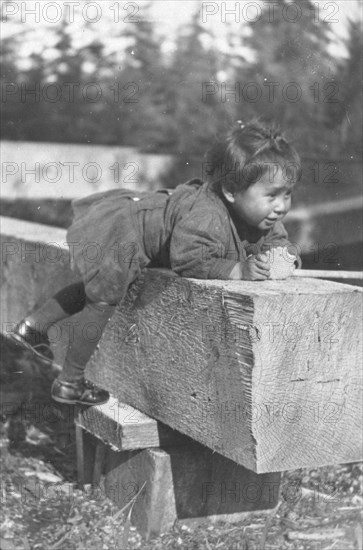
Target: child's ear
228,194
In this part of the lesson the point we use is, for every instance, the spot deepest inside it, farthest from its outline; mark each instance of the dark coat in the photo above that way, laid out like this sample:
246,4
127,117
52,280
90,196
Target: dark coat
190,230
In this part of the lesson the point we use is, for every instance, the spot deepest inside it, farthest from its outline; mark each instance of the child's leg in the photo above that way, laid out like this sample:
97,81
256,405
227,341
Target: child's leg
71,387
31,332
85,335
68,301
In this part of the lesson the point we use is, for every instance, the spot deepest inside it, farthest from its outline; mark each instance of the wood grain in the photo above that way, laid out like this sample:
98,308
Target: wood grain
124,428
266,373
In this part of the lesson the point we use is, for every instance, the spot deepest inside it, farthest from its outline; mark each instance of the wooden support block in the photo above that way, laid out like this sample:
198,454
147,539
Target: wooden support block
86,446
265,373
99,464
187,482
80,456
191,484
123,427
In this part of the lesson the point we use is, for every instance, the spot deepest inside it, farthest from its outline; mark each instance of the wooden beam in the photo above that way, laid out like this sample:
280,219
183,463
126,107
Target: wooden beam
328,274
35,264
124,428
266,373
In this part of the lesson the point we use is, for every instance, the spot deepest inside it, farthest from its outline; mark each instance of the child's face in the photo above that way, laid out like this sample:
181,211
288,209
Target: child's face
264,202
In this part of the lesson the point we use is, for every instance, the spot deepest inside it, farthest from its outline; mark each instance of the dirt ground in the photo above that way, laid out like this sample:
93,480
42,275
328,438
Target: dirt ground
43,509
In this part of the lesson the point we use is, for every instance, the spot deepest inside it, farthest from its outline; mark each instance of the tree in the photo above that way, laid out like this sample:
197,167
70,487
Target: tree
144,73
292,65
80,112
345,114
196,107
13,112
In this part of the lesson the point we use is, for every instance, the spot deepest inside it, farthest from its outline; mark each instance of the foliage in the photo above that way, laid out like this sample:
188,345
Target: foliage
346,114
153,98
293,68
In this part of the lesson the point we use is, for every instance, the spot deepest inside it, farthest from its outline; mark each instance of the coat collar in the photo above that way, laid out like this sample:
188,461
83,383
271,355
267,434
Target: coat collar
243,234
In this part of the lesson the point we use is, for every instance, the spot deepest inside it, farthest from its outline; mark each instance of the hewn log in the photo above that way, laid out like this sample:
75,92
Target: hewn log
35,264
265,373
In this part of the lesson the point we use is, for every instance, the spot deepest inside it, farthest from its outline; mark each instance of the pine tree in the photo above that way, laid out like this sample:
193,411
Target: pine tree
292,65
345,115
198,115
144,73
12,108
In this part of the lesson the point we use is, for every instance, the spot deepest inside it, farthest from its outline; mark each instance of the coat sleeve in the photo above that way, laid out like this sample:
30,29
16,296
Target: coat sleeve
198,246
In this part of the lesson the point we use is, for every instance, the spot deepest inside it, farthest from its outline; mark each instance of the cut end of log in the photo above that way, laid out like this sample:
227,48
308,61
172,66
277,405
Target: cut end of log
267,374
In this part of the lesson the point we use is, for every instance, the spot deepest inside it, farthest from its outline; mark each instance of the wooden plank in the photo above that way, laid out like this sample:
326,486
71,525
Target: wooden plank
328,274
266,373
189,484
125,428
154,166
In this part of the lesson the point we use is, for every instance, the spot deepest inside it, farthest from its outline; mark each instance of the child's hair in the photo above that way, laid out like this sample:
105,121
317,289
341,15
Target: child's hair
246,154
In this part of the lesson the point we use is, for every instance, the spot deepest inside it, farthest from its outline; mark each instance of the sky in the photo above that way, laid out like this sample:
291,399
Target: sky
107,19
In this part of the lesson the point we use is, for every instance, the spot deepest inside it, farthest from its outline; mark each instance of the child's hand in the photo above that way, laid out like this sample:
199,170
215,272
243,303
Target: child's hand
255,268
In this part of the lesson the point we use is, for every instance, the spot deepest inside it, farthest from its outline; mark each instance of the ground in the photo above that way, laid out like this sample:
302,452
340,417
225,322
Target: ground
43,509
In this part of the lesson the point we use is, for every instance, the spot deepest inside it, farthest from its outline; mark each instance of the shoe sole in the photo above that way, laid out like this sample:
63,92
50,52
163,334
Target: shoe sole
20,342
76,402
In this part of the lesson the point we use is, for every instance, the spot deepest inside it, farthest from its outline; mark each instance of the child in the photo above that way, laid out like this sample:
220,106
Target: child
213,230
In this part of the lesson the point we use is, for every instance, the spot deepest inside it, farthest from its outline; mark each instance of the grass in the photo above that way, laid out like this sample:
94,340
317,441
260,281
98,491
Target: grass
44,509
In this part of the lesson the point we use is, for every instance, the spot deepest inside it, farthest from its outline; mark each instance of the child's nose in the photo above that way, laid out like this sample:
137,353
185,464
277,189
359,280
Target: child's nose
281,205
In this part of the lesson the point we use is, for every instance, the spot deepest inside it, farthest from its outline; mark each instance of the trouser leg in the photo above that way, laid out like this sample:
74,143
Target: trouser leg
31,333
68,301
85,335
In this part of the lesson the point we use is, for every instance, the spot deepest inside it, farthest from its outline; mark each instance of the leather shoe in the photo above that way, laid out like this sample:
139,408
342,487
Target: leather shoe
31,339
81,392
